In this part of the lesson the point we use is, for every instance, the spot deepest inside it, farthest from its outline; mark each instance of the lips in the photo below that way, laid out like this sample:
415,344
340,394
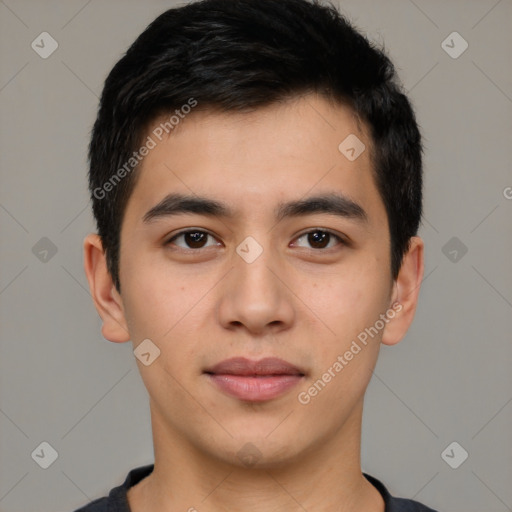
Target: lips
266,366
254,381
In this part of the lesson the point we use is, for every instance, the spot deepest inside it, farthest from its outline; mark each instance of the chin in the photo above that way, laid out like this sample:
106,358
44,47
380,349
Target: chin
259,452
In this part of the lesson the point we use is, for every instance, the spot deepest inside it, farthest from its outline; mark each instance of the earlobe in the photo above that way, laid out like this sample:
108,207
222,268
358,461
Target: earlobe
106,298
405,294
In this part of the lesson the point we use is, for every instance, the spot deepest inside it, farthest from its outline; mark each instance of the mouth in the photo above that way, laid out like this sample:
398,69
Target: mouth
254,381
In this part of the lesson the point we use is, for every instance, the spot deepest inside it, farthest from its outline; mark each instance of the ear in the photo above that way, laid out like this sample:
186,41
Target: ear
406,289
105,296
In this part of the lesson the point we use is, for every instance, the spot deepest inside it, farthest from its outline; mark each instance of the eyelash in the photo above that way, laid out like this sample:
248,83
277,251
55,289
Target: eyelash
341,240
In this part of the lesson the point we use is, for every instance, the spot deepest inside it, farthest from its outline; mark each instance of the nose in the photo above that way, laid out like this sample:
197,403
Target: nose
255,296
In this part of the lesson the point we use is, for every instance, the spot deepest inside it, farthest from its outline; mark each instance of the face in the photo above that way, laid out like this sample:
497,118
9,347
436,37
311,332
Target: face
251,267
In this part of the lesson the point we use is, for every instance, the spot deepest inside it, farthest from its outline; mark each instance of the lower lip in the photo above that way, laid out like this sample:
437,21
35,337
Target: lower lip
255,388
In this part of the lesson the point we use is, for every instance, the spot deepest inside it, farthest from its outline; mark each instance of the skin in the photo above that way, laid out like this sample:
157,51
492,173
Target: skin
296,301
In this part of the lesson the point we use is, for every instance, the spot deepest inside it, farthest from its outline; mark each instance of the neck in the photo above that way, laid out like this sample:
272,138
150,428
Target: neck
323,478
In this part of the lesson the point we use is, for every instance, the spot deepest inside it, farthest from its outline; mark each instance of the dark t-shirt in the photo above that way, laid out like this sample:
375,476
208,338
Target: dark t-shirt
117,501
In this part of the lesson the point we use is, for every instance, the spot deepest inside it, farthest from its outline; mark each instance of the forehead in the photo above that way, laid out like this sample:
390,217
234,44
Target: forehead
254,161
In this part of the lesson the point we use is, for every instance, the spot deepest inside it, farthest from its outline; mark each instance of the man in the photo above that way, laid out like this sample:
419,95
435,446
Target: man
256,178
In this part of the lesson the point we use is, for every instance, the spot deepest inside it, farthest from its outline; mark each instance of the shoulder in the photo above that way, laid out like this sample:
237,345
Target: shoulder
396,504
117,500
403,505
99,505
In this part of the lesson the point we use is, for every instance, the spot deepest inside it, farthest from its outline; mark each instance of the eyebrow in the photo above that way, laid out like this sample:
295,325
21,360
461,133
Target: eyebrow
333,203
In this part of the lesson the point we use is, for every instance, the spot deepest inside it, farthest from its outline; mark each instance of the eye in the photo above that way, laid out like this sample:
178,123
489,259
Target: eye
193,238
321,239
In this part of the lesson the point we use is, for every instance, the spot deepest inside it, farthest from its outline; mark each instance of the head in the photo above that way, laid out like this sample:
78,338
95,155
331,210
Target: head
248,103
237,56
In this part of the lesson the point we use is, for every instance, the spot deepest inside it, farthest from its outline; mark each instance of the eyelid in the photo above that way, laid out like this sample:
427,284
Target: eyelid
169,239
343,240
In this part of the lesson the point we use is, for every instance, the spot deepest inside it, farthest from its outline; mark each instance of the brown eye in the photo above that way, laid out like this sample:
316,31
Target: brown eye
193,239
320,239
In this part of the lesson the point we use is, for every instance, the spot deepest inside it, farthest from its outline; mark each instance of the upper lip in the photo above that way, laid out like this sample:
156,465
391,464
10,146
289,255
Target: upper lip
265,366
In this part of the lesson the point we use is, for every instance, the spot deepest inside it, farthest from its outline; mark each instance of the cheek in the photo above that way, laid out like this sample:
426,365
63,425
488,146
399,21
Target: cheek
347,305
144,306
169,309
346,300
154,297
164,313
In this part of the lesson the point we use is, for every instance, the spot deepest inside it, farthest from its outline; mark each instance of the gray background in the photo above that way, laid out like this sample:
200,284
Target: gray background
448,380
